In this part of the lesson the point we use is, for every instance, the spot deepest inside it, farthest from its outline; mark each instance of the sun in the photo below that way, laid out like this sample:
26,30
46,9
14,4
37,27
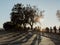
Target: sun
41,20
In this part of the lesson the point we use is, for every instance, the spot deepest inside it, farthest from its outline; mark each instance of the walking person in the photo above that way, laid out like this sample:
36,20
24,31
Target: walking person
38,35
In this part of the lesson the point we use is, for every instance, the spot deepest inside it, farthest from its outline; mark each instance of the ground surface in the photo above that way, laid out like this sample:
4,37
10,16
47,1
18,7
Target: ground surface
28,38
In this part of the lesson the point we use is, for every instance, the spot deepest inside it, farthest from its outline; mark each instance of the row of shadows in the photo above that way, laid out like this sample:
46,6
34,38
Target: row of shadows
7,38
29,38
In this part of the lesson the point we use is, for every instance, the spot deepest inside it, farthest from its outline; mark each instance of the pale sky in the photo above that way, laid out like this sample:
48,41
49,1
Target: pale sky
50,7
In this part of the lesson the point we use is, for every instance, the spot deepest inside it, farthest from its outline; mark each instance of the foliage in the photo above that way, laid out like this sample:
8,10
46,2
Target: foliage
21,15
8,25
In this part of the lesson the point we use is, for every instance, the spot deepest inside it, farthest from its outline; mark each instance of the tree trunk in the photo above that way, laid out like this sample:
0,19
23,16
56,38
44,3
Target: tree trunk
31,25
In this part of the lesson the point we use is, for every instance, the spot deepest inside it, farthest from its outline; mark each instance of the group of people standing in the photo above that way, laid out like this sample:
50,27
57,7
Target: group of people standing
53,29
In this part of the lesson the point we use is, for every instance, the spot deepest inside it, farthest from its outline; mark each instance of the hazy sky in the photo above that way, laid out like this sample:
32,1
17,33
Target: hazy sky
50,7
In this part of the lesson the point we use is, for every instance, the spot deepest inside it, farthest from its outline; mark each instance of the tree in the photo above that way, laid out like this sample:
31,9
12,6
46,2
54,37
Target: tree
22,15
17,15
8,26
30,12
58,14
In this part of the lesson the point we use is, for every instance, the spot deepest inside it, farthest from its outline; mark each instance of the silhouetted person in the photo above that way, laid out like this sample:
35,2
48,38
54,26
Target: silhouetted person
47,29
38,35
51,29
55,29
59,29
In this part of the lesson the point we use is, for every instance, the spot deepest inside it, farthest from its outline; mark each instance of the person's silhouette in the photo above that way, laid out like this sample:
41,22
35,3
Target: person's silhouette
59,29
55,29
51,29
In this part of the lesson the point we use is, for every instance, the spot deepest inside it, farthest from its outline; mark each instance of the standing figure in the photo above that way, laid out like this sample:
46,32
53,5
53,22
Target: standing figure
55,29
50,29
47,29
59,29
38,35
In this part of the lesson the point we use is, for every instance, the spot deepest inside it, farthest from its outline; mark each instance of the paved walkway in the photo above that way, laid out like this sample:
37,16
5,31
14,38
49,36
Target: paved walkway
30,38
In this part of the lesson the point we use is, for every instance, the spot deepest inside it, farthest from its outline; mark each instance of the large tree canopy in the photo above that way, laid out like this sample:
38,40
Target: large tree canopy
23,14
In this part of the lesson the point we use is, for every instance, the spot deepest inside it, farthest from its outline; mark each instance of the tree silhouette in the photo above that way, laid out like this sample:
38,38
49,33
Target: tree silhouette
8,26
17,15
22,15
